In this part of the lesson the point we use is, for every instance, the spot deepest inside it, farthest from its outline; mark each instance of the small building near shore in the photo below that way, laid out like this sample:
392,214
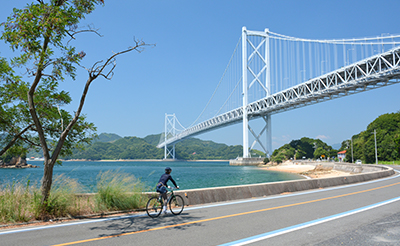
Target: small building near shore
341,155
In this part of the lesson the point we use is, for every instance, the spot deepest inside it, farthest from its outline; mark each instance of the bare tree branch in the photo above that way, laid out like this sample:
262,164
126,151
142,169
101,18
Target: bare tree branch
72,33
15,138
96,71
29,141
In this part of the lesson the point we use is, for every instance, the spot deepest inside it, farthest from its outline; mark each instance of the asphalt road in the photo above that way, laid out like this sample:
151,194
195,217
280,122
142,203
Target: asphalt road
359,214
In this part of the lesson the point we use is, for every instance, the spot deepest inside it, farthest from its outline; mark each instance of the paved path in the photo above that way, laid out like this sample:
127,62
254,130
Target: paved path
361,214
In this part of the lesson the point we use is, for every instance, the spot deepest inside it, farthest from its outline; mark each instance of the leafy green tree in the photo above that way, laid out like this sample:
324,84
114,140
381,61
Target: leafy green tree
300,154
387,128
304,147
397,143
320,152
12,125
41,34
283,153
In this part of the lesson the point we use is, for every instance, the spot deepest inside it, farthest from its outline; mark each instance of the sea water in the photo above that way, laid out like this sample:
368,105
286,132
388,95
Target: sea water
187,174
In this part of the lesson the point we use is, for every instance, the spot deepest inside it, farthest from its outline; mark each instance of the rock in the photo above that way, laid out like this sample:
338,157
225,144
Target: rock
16,162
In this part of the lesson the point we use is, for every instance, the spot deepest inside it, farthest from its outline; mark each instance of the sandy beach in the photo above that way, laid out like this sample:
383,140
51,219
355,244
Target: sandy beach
308,170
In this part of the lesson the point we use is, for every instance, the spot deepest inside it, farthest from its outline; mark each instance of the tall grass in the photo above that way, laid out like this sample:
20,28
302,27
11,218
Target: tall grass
389,162
62,200
15,203
21,201
118,191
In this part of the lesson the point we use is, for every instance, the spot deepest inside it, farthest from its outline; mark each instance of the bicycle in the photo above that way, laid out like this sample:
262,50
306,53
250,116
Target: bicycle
155,204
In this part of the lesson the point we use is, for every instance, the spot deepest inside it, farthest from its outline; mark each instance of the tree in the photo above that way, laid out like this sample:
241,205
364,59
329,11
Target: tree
387,128
16,124
10,89
320,153
397,143
41,33
304,147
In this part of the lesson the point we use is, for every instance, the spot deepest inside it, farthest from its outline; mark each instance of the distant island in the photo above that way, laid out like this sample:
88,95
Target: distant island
109,146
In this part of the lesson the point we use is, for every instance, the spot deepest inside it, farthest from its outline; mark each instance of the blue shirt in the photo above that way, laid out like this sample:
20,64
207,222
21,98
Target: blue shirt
164,179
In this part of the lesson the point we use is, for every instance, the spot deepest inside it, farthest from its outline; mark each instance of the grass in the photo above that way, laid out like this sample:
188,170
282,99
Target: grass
118,191
389,162
20,201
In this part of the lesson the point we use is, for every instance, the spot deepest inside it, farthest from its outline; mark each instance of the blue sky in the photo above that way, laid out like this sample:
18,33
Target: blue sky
194,41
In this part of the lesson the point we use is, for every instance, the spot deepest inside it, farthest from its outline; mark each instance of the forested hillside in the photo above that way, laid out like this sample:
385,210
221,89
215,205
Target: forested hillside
114,147
304,148
107,137
361,146
387,129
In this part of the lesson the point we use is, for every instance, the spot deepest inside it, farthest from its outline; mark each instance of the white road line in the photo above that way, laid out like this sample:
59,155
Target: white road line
282,231
194,208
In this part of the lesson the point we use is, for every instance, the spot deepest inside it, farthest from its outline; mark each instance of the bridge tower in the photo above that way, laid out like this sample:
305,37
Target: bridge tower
251,51
169,131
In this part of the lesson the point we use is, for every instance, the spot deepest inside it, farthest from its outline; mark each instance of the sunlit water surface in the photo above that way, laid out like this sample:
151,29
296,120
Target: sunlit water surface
188,175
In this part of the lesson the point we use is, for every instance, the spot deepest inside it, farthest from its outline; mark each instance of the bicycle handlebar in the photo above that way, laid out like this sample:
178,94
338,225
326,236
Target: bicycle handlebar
172,188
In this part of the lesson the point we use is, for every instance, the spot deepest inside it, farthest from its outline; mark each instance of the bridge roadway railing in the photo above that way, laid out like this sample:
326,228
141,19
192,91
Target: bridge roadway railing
374,72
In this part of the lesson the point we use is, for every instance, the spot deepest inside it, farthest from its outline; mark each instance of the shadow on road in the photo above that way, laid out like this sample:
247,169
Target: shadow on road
139,224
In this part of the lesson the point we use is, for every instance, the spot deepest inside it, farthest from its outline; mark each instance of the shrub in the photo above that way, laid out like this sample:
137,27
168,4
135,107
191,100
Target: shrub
118,191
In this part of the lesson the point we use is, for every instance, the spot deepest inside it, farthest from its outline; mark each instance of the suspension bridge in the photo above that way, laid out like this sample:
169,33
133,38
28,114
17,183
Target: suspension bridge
269,73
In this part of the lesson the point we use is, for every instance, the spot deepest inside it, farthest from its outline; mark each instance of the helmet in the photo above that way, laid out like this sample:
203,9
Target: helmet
168,169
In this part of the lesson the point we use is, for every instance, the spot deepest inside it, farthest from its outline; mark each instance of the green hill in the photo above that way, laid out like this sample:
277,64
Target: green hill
107,138
304,148
196,149
109,146
113,147
360,146
387,129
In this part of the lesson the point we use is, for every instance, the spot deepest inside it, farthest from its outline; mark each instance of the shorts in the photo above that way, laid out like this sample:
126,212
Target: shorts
162,189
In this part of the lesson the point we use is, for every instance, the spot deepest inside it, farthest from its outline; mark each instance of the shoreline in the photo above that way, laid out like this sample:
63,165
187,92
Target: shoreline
140,160
306,170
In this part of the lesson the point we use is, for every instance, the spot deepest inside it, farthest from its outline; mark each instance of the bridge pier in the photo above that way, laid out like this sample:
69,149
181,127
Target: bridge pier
240,161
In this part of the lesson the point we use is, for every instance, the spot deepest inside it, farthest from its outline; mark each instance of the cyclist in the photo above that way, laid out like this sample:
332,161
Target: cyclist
162,184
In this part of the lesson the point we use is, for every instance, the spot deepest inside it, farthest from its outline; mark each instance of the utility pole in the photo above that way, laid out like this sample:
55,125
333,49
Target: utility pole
376,150
352,158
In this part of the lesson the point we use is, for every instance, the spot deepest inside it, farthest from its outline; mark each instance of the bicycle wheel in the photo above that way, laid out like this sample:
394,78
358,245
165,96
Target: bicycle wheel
154,207
176,204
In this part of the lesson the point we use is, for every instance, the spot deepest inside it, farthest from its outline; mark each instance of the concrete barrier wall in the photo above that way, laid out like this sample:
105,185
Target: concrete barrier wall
221,194
229,193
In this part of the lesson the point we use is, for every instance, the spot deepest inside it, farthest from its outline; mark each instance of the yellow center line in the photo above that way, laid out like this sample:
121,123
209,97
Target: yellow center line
226,216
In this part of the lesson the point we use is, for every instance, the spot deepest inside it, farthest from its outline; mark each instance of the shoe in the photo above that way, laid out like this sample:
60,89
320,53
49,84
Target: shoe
164,210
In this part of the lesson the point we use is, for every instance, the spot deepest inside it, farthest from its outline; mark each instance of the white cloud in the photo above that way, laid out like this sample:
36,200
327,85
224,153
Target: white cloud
322,137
